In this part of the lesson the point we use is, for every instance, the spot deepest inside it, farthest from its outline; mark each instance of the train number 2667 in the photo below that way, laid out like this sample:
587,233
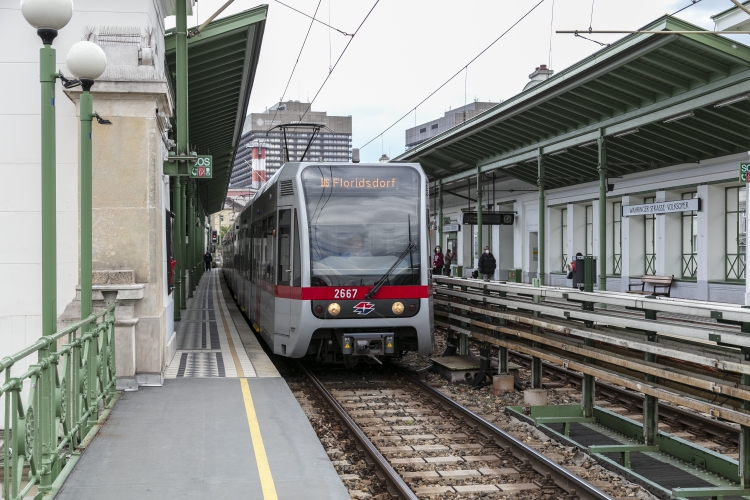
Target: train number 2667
345,293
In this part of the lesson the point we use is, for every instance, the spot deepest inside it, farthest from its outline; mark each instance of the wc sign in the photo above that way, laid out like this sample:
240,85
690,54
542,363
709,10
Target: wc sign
744,169
203,168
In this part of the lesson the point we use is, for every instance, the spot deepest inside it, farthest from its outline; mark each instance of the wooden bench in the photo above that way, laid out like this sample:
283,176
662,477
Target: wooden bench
663,282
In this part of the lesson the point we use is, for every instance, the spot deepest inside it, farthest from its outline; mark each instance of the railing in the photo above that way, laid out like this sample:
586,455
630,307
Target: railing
67,389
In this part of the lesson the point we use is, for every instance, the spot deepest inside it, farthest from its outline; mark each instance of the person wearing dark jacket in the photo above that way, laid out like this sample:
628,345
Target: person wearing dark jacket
207,259
447,261
437,261
487,264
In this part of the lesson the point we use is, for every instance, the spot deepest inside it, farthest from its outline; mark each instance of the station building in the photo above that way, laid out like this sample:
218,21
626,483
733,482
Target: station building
659,121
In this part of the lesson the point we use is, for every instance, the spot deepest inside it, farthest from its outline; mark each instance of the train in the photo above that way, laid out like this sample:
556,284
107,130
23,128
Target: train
332,262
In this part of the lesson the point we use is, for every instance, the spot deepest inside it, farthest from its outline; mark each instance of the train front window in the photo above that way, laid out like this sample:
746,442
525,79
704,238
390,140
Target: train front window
361,220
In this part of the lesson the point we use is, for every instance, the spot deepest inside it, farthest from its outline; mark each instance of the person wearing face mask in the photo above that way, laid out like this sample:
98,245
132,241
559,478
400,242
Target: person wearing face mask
437,262
447,261
487,264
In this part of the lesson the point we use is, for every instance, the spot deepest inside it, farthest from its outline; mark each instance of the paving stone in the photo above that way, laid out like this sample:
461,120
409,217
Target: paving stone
421,474
443,460
433,490
476,488
514,487
499,472
414,460
459,473
483,458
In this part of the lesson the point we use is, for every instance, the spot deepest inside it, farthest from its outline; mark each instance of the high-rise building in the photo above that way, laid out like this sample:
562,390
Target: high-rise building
420,133
332,144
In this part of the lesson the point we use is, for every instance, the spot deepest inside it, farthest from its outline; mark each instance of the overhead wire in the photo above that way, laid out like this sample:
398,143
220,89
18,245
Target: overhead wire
551,20
317,20
309,106
455,74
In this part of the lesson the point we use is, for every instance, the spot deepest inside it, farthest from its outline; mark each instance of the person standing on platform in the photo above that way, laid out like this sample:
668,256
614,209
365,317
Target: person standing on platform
572,267
447,261
437,262
487,264
207,259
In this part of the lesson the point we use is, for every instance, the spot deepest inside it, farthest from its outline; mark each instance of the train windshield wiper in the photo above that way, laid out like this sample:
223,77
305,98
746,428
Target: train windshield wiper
384,278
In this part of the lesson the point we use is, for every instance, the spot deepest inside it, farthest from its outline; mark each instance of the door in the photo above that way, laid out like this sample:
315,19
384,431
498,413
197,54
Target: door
283,273
295,303
533,255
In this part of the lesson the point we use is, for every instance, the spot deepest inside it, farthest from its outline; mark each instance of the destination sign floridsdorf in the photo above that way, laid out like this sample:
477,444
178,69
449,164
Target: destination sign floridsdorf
663,207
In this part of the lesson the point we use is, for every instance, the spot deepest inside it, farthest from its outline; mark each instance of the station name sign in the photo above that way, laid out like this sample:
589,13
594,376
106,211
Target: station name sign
664,207
451,228
489,218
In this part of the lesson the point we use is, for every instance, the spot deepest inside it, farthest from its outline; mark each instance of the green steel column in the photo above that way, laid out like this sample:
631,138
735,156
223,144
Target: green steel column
176,246
651,403
480,248
589,389
183,246
602,142
181,77
440,214
45,428
540,232
191,236
86,110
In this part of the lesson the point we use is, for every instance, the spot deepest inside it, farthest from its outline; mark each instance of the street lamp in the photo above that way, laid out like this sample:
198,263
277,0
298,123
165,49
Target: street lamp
87,61
47,16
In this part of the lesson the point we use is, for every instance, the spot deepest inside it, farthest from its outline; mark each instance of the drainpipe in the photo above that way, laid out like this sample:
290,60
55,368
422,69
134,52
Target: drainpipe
602,142
540,160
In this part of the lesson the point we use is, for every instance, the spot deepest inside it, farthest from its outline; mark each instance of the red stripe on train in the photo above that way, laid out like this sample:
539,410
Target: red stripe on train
354,292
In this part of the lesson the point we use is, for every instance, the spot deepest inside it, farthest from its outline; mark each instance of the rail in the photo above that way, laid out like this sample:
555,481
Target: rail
43,437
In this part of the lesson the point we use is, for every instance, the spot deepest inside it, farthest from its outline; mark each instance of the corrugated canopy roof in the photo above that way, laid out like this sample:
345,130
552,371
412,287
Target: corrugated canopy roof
222,62
625,92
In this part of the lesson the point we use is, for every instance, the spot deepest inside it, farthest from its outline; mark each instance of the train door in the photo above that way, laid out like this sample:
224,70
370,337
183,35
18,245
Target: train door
296,303
283,273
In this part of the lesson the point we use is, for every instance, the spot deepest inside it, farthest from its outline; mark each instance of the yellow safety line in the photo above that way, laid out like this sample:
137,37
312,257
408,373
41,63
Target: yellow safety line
238,367
264,470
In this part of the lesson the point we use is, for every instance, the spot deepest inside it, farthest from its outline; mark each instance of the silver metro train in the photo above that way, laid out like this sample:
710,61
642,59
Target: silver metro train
332,261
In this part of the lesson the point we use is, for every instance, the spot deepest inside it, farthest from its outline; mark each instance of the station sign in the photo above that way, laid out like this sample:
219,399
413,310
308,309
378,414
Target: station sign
662,207
744,170
203,168
451,228
490,218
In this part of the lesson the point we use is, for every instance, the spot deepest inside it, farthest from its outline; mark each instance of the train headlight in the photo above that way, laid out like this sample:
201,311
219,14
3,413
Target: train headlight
397,308
334,309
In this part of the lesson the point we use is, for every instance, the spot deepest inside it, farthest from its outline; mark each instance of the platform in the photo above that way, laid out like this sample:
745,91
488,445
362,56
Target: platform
224,425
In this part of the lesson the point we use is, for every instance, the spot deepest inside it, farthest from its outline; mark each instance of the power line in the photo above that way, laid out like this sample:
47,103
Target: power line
314,19
295,63
309,106
455,74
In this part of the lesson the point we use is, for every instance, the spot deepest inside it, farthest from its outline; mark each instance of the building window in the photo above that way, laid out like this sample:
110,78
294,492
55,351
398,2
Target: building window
434,126
564,238
649,241
423,130
589,230
736,236
689,240
617,238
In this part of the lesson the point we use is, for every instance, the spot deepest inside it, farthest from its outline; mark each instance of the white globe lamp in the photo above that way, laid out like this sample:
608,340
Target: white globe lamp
87,61
47,14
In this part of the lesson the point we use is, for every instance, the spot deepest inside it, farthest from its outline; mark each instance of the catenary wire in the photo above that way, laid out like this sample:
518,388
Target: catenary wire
317,20
455,74
309,106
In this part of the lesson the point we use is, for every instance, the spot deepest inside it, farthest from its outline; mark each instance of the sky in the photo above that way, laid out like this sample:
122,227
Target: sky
406,49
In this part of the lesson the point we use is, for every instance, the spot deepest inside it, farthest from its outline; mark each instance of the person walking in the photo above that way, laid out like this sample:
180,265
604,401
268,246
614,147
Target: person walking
437,261
572,267
487,264
207,259
447,261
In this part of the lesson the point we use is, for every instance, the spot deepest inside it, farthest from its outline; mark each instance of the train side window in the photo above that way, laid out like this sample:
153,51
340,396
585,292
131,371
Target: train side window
283,273
296,262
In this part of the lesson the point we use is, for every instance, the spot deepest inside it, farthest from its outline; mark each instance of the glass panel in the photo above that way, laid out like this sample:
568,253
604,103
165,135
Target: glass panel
617,238
296,262
283,266
564,238
732,234
589,230
361,222
732,199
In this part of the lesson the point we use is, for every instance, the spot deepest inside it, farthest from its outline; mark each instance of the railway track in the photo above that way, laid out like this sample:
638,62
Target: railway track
422,443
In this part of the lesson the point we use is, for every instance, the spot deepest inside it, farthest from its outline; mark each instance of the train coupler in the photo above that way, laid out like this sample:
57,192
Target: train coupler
368,344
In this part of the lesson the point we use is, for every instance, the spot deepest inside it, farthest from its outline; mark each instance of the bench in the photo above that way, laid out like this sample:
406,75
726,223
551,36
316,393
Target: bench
663,282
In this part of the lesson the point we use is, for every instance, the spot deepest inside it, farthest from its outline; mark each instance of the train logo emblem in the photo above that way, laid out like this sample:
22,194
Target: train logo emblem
364,308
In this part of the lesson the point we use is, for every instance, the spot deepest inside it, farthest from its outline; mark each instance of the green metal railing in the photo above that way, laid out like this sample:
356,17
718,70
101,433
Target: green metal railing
67,388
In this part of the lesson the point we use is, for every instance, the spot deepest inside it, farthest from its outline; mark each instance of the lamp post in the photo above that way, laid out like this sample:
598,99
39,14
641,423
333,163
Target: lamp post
47,16
87,61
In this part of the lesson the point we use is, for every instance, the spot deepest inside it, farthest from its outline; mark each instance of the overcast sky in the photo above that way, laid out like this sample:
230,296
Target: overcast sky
408,48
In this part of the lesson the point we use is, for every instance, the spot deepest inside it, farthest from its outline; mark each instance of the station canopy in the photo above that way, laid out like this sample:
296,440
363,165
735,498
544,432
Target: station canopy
222,62
659,100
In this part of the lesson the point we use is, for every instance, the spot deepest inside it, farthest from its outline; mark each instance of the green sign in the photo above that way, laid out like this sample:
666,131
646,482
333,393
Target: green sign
744,170
203,168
